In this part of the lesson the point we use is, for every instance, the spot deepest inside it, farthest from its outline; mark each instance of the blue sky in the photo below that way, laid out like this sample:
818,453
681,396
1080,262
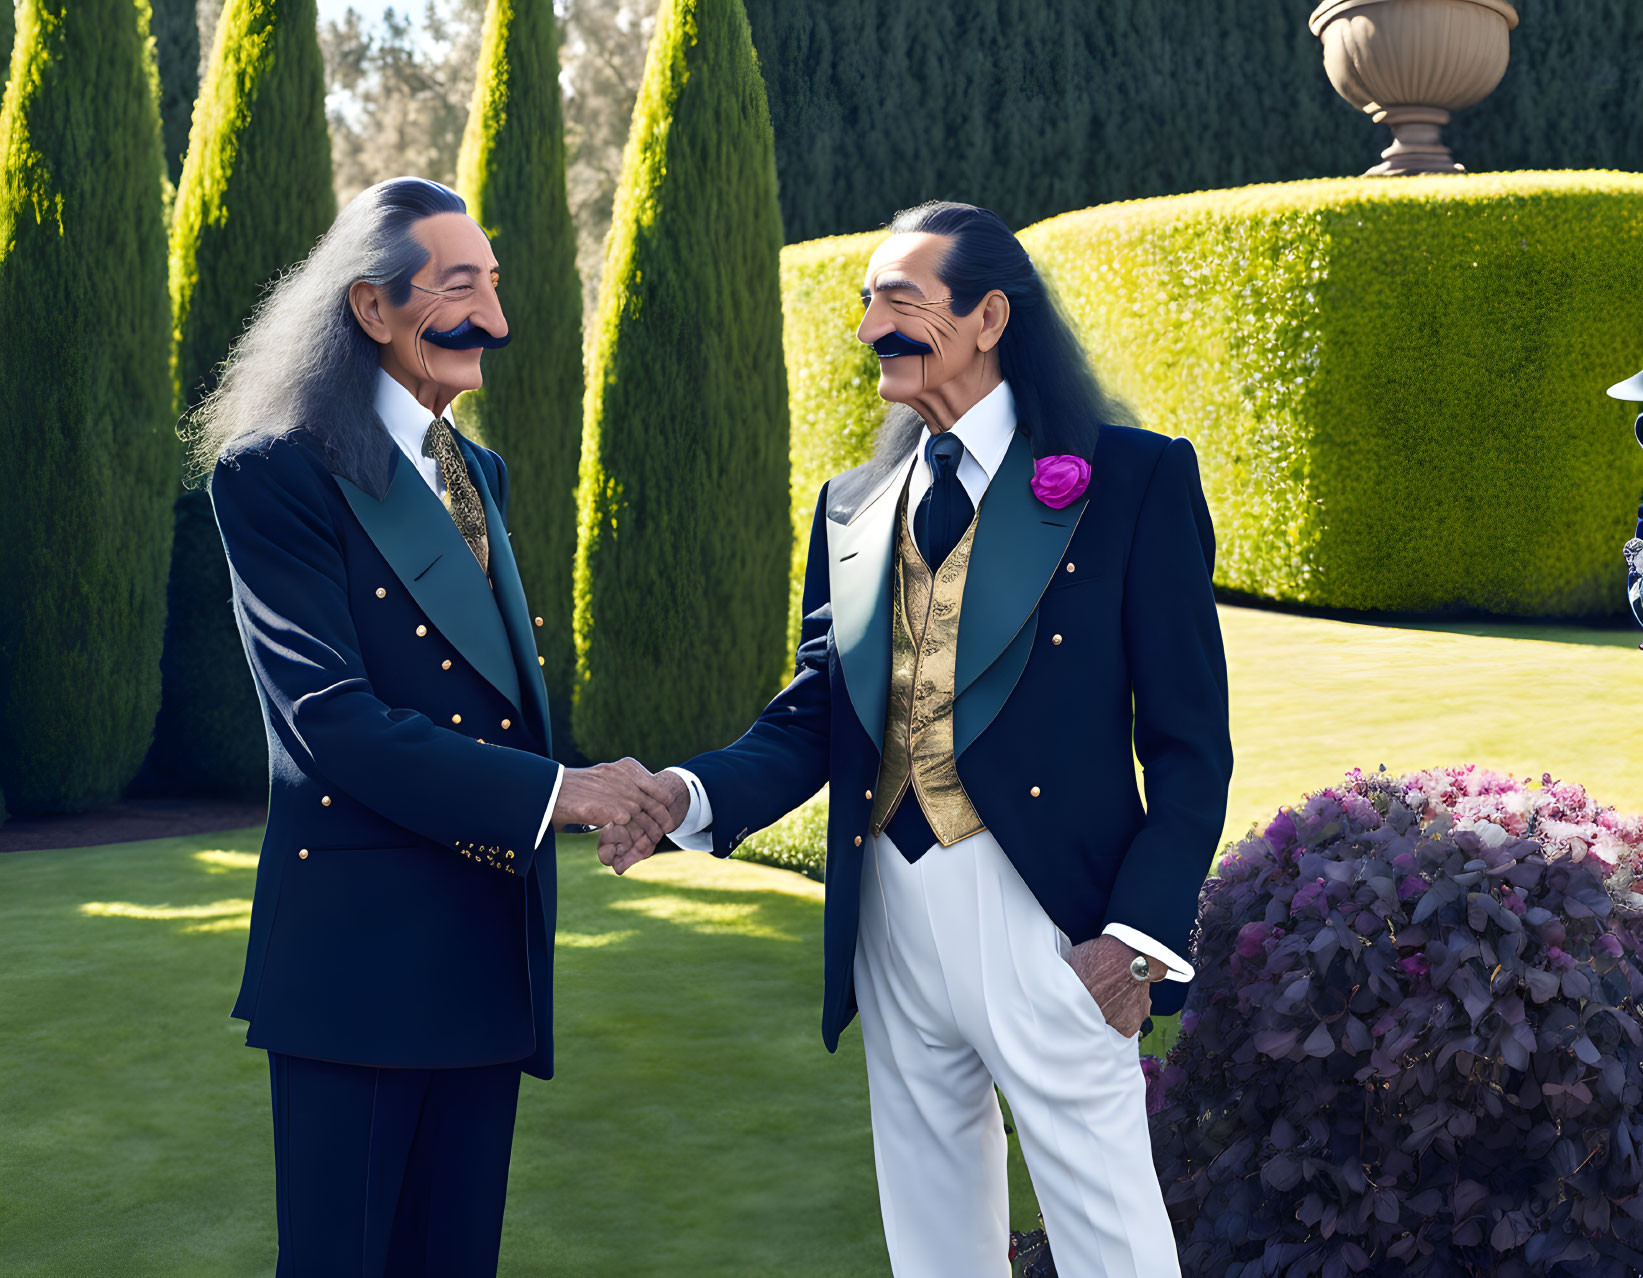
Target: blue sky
332,10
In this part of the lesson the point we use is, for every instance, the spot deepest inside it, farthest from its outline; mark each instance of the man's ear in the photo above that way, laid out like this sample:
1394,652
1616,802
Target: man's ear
365,300
995,318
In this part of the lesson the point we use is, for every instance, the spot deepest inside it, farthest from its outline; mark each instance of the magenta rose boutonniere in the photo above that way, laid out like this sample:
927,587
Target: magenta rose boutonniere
1060,480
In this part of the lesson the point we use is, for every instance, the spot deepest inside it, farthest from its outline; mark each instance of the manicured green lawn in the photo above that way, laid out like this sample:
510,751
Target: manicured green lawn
697,1126
1312,698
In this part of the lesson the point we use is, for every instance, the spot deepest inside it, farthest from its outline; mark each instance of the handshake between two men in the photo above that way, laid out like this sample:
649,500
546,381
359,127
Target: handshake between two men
633,808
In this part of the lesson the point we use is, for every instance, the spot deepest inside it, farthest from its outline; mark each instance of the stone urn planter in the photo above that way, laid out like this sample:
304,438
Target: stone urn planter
1409,63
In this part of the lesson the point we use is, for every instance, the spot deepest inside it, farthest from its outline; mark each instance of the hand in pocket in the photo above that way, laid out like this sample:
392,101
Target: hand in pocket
1103,964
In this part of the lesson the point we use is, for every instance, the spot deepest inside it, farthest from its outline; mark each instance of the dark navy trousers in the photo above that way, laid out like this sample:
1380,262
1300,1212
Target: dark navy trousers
390,1173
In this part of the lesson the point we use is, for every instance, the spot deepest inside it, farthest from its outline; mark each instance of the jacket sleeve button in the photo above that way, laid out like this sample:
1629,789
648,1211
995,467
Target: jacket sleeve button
858,840
381,593
421,631
445,664
302,854
1033,792
869,794
325,801
538,620
1056,640
1069,567
541,661
456,718
506,724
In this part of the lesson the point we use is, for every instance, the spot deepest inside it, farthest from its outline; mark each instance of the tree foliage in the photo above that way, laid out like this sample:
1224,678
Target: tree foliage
398,94
254,196
177,51
91,458
512,174
1034,110
602,62
682,548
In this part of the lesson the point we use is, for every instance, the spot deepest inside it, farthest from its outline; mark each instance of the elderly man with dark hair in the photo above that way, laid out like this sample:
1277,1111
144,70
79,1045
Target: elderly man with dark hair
1007,597
399,970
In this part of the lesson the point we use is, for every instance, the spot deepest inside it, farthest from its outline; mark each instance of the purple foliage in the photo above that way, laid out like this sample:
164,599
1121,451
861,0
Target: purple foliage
1413,1046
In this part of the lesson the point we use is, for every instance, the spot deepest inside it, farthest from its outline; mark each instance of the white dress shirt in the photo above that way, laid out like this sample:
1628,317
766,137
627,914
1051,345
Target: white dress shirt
407,420
985,431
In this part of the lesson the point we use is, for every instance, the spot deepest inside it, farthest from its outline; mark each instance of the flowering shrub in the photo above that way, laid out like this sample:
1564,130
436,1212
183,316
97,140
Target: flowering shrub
1413,1044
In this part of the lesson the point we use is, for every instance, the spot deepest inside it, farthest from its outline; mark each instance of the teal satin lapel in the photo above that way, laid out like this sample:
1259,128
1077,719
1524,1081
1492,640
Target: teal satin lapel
1018,546
860,555
510,601
416,535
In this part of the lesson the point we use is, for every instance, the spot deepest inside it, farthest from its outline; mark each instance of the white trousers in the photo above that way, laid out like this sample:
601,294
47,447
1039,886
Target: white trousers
962,982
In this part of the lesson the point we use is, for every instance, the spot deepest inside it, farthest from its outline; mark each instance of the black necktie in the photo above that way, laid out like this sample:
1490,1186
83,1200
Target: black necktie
943,514
946,510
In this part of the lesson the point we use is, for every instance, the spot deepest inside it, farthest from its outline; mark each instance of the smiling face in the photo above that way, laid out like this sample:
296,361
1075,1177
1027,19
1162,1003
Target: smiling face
929,357
455,289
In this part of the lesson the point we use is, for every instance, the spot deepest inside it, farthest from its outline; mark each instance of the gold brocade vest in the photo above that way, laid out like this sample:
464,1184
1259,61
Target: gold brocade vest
918,729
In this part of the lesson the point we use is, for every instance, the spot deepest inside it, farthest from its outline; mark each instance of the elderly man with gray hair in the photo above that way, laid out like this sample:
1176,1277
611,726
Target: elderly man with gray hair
399,968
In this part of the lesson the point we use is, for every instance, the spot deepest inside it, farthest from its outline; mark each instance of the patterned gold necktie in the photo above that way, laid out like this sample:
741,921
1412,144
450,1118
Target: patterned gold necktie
461,498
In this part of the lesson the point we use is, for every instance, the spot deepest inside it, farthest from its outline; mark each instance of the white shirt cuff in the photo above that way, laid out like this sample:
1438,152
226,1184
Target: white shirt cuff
553,802
1178,968
695,832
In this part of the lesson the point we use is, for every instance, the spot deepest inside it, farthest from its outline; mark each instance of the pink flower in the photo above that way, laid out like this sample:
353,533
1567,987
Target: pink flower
1608,944
1060,480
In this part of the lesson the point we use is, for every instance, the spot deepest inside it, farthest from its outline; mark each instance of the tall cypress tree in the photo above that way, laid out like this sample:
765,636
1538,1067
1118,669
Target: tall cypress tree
512,173
683,543
86,433
177,50
254,196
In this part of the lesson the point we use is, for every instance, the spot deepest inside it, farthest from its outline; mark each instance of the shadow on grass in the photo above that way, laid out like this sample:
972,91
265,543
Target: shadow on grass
695,1124
1621,632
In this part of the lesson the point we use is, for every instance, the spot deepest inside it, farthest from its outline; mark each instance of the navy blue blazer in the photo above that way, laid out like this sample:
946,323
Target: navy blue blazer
403,915
1070,618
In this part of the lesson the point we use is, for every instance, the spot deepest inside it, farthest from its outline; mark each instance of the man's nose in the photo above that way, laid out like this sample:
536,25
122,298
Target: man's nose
488,314
874,324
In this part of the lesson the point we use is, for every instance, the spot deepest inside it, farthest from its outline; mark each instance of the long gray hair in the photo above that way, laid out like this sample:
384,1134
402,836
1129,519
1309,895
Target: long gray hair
303,362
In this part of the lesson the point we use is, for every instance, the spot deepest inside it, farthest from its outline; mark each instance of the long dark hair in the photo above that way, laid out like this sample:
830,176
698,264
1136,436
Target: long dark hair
303,362
1059,404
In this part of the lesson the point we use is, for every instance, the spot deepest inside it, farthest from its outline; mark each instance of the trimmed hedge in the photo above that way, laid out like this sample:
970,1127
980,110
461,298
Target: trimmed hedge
255,194
1395,387
797,842
832,380
512,173
681,564
91,462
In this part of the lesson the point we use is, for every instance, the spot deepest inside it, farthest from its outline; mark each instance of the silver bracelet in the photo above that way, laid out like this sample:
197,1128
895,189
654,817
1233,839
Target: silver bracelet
1140,968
